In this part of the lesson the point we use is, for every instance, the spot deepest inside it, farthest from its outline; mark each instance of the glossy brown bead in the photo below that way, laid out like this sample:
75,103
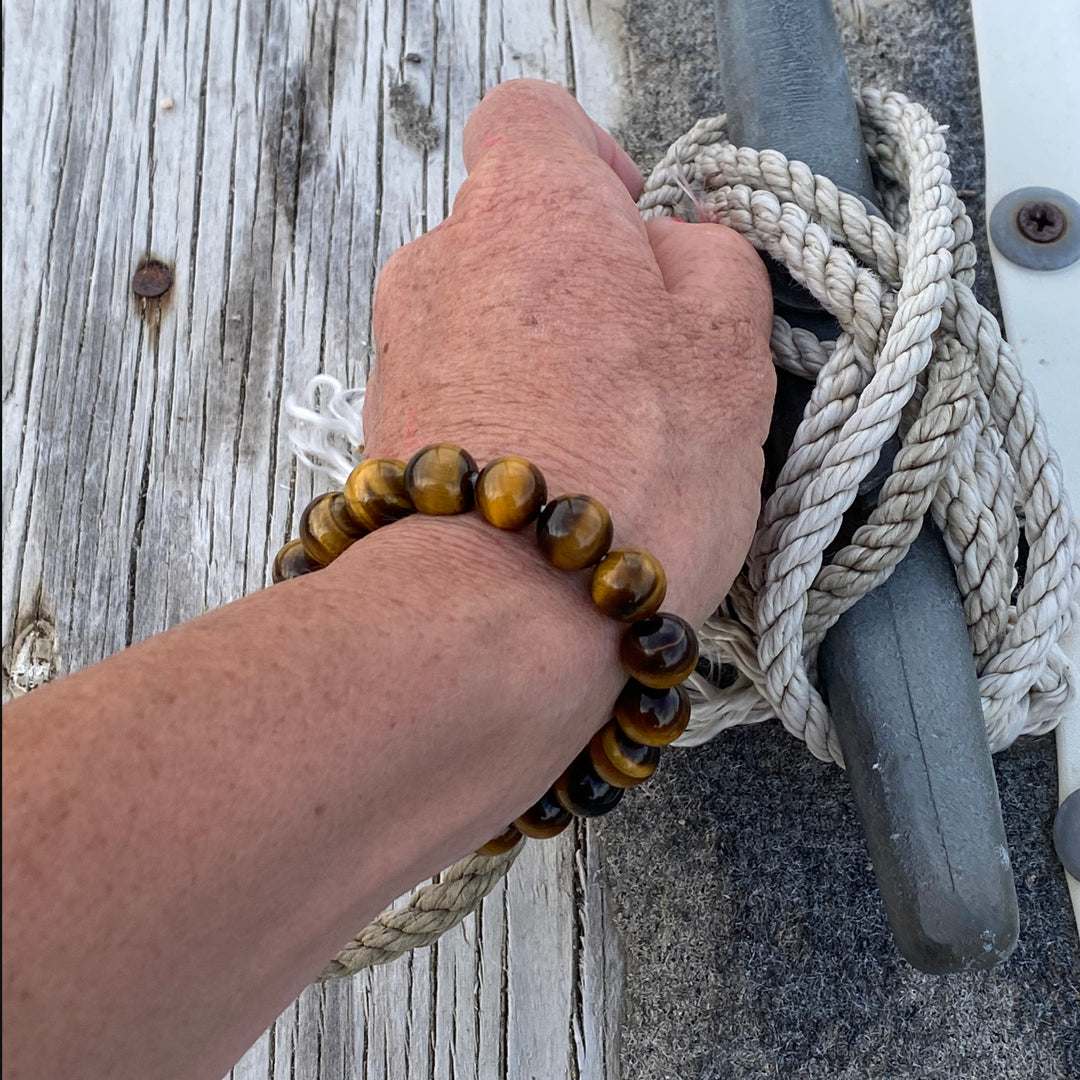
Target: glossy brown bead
574,531
375,493
582,792
619,760
660,651
652,717
510,492
503,842
292,561
545,818
326,529
629,584
439,479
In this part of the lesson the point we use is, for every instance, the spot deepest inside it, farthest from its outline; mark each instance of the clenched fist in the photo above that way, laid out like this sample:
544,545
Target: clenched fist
628,360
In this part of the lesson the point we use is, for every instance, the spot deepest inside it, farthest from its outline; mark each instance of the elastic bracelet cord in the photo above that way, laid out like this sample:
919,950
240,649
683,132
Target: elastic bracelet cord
574,532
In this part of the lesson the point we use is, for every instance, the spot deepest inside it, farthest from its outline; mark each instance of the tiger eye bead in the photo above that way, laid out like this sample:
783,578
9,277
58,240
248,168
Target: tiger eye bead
574,531
652,717
375,493
439,479
510,492
619,760
503,842
545,818
326,529
660,651
582,792
629,584
292,561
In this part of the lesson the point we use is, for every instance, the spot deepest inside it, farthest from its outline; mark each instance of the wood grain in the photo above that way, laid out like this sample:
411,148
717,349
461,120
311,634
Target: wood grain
271,155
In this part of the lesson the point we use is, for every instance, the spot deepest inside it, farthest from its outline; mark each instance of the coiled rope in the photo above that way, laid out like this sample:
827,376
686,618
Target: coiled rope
918,359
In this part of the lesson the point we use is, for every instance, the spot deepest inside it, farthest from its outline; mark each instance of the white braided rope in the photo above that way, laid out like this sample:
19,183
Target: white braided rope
918,359
431,911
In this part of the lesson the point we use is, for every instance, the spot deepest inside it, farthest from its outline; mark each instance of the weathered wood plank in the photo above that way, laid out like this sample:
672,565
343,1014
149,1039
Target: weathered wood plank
272,155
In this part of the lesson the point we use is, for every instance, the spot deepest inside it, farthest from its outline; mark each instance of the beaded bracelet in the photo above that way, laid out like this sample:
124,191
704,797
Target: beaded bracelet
574,533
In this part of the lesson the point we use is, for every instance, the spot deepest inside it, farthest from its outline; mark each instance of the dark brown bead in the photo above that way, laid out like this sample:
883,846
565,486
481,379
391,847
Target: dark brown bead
660,651
582,792
629,584
652,717
440,478
292,561
510,492
574,532
545,818
375,493
503,842
326,529
619,760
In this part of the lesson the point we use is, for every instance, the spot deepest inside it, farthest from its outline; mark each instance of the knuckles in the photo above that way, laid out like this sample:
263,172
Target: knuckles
518,188
525,110
525,99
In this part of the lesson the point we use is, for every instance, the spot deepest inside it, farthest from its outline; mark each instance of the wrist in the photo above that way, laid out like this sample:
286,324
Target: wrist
512,641
574,533
488,572
650,505
512,670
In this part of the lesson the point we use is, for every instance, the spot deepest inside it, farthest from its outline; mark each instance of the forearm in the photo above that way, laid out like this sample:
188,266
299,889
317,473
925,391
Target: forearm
190,813
193,827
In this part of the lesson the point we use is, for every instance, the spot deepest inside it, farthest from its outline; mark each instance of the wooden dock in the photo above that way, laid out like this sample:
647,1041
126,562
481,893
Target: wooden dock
270,157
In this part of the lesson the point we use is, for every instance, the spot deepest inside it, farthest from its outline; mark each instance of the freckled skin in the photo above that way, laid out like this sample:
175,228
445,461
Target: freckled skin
194,826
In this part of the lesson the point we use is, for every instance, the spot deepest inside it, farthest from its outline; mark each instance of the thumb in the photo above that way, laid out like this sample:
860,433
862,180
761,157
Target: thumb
713,268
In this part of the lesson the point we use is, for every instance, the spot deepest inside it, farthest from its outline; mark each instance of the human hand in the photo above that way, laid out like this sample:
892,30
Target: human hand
627,360
226,802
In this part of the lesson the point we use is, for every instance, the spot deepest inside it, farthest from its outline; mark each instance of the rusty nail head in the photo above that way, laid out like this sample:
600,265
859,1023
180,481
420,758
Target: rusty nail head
1041,222
151,280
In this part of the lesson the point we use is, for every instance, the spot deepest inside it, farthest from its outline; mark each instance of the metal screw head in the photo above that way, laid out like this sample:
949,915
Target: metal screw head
1040,221
152,279
1037,228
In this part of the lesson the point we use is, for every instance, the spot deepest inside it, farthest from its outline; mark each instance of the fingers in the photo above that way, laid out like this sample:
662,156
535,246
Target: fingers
714,268
622,164
543,118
